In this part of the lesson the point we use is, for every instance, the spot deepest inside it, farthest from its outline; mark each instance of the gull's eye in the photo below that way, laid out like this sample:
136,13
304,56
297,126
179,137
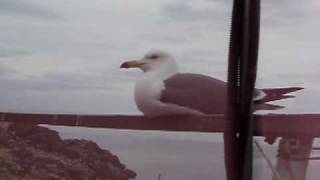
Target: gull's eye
153,56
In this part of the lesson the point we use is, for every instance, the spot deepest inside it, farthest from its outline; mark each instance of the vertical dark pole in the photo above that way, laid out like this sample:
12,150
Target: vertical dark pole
231,143
249,59
243,54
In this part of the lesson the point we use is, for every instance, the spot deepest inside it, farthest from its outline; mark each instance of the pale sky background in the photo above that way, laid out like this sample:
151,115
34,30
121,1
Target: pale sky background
63,56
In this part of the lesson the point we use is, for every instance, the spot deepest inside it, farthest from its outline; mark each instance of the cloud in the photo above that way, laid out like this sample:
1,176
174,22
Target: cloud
178,11
286,13
8,52
24,8
164,39
4,72
62,79
77,61
65,92
49,82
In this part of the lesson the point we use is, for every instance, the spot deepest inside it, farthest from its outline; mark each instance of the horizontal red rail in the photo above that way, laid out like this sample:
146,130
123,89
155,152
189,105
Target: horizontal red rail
266,125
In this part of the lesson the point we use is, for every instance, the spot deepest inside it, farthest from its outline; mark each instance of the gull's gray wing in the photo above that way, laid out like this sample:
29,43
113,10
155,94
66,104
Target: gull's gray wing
195,91
209,95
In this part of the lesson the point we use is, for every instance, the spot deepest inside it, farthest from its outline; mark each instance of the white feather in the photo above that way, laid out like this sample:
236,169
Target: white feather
149,87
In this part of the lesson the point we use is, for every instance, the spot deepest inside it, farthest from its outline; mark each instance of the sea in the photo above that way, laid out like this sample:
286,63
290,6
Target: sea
160,155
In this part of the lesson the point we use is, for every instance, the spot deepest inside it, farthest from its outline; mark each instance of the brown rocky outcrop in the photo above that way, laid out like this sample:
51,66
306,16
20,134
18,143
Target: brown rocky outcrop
38,153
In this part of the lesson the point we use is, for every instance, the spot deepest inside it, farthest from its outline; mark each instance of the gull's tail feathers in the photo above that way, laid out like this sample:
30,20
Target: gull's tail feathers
274,94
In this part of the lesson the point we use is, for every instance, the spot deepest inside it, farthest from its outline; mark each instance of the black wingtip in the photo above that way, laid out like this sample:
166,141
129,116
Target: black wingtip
296,88
274,94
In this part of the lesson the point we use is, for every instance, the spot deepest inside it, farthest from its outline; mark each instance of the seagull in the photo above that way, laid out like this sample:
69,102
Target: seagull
163,91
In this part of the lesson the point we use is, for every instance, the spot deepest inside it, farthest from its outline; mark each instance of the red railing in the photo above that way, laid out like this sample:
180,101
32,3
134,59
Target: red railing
275,125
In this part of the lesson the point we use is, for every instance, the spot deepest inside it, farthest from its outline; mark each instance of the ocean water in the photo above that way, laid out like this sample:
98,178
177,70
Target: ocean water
174,155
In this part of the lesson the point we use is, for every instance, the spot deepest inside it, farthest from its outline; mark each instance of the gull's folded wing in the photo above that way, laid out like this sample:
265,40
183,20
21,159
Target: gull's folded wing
208,95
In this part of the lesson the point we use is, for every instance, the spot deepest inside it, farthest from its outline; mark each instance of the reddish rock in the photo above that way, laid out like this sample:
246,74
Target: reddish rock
37,153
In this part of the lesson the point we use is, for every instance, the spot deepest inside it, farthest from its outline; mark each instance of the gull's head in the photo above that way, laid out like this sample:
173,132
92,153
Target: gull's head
153,61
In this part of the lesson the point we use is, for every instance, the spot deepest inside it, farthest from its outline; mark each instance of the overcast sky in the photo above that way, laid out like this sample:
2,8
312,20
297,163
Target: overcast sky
64,55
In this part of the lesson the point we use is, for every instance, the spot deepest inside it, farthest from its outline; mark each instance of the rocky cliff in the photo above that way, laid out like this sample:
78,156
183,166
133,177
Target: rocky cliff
38,153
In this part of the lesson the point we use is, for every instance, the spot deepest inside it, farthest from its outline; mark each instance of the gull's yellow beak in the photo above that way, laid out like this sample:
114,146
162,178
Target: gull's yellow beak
132,64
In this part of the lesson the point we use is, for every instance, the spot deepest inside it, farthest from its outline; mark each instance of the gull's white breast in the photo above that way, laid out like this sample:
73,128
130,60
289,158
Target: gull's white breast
147,96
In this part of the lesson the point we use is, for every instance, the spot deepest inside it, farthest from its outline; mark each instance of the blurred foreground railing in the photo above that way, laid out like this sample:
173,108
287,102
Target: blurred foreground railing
297,131
274,125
